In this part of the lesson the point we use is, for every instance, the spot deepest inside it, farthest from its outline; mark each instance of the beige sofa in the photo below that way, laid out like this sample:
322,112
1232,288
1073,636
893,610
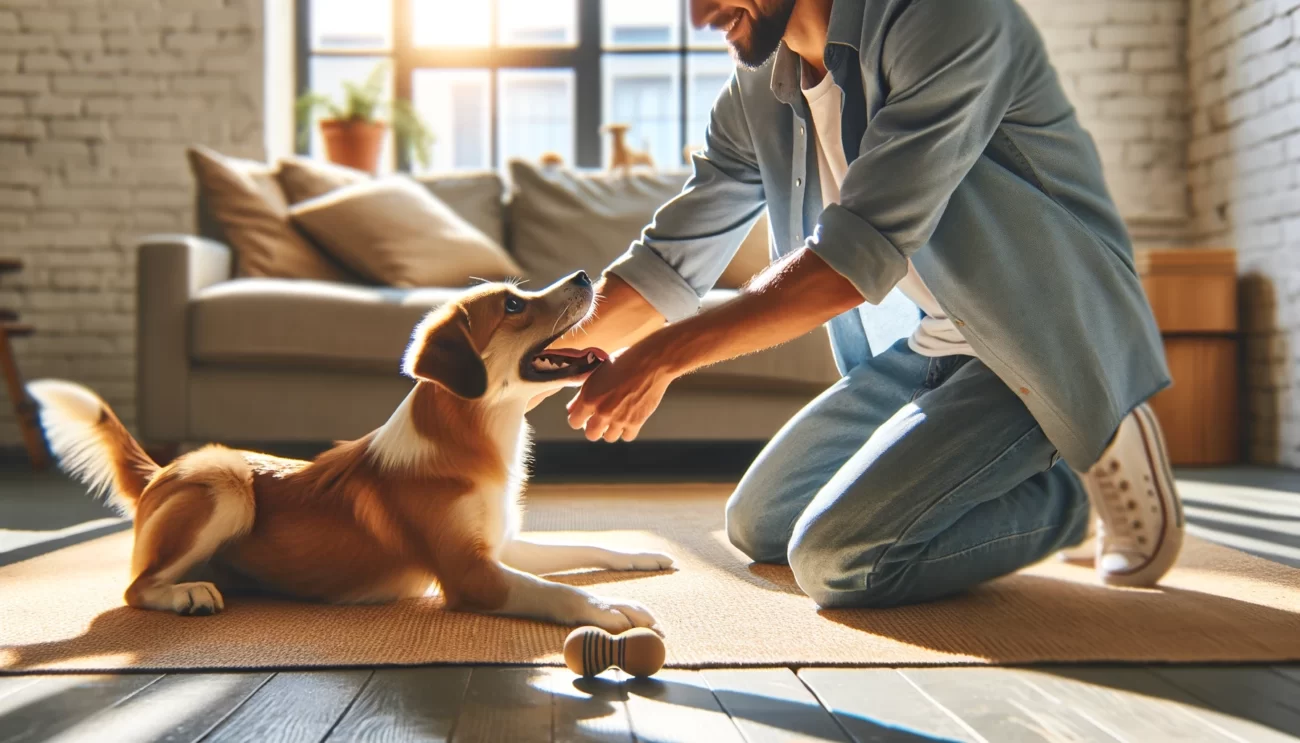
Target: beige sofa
262,361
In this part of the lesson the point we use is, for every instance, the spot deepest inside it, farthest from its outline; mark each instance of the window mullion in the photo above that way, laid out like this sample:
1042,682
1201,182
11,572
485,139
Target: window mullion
403,30
587,96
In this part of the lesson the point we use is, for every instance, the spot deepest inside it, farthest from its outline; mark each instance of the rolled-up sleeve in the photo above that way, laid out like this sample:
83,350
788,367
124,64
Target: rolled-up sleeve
950,71
693,237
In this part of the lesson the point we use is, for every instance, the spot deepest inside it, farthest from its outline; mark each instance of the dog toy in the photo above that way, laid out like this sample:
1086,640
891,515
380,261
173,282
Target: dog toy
590,650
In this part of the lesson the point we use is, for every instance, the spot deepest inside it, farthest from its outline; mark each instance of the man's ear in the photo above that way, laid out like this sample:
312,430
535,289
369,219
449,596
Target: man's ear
446,355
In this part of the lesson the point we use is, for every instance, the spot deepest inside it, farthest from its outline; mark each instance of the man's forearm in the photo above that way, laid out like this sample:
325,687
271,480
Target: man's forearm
785,301
622,317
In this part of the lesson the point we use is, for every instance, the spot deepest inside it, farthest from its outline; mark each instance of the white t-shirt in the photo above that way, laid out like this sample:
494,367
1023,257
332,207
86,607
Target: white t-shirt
936,335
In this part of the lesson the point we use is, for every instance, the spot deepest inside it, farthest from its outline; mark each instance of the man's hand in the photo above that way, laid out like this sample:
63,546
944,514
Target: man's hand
789,298
619,396
622,318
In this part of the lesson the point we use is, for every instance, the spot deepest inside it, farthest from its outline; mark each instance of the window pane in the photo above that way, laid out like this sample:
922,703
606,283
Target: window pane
537,23
326,76
706,76
536,114
644,91
703,38
645,23
451,22
457,105
351,24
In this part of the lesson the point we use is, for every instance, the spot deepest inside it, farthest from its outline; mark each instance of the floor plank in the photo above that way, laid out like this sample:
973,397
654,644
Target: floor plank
1144,683
505,704
1126,715
1291,672
14,684
772,705
674,704
996,706
293,707
179,708
587,709
404,706
1252,693
55,704
880,704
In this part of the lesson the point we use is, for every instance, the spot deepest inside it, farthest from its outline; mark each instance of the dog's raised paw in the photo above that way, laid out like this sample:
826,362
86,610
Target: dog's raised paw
196,599
640,561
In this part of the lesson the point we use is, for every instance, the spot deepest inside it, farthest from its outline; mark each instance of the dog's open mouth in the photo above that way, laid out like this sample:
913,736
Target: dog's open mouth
561,363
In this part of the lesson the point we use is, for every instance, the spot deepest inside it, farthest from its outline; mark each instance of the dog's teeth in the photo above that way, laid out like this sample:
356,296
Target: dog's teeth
591,358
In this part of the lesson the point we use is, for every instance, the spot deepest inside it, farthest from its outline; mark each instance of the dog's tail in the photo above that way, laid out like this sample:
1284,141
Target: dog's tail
91,443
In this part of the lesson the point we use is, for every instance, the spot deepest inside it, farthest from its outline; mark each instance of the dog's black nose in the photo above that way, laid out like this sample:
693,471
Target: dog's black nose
581,279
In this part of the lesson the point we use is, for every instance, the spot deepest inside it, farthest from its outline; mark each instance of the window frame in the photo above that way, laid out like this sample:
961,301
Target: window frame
584,59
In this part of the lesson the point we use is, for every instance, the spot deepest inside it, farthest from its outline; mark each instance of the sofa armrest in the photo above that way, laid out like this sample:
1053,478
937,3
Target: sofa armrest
171,270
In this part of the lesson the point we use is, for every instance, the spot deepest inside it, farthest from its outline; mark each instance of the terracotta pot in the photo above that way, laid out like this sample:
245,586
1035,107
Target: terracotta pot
355,144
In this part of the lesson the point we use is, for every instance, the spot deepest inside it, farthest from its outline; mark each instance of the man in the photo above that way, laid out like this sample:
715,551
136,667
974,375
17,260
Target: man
934,200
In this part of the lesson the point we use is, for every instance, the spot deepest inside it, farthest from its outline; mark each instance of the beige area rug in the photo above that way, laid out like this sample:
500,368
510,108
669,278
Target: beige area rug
64,610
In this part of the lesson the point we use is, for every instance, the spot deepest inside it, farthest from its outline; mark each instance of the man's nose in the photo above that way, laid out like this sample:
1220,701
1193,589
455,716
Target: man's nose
581,279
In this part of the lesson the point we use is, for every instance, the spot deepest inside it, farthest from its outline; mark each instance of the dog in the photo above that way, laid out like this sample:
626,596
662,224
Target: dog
430,498
623,157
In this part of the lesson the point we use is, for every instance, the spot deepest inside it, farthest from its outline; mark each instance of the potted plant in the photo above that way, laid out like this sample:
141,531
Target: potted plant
353,129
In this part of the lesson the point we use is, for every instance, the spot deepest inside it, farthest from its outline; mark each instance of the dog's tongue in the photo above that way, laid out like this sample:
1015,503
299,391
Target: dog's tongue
573,353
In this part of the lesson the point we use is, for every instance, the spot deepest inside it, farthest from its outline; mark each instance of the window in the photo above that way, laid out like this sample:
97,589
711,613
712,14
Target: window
498,79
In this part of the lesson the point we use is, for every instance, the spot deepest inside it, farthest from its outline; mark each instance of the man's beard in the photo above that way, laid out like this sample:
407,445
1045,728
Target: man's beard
764,35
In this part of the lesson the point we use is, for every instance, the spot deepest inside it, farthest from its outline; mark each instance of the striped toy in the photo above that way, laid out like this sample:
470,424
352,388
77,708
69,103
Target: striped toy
590,650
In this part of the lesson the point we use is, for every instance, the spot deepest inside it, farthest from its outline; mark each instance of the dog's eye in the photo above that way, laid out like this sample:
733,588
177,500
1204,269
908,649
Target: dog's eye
514,305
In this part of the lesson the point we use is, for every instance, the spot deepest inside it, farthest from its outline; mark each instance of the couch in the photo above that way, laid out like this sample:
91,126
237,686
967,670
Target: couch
272,360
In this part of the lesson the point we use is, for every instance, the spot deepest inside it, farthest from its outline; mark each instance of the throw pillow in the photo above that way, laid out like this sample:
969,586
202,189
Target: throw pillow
245,200
476,196
393,231
302,178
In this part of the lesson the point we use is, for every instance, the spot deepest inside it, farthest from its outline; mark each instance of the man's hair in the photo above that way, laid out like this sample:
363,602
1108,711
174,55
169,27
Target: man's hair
765,36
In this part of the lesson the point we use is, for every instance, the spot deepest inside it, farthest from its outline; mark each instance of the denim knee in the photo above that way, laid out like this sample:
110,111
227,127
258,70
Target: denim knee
834,574
750,530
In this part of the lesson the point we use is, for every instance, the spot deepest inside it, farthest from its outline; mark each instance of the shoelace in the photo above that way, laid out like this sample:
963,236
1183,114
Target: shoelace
1120,506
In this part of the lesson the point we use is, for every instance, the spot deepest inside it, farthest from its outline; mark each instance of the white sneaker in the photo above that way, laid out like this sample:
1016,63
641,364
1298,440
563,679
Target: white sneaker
1140,519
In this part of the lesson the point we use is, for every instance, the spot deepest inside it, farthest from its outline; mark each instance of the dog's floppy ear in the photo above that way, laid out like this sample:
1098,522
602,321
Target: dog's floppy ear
444,353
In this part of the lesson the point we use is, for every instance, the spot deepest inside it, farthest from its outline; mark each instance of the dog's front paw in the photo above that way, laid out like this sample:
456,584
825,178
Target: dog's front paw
196,599
639,561
618,615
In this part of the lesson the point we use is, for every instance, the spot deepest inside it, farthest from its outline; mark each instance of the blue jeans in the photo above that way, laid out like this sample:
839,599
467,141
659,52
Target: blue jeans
910,479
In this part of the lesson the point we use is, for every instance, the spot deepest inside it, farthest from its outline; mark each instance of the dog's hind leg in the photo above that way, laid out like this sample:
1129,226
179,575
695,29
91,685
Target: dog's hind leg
540,559
206,501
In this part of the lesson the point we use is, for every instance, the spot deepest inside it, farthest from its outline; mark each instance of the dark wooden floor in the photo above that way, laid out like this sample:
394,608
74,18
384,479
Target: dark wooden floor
1254,510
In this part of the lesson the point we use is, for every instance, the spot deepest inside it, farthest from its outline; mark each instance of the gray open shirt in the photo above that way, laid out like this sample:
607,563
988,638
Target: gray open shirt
965,156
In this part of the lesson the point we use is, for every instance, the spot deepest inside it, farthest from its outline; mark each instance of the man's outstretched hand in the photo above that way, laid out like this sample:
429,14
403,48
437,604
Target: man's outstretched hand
617,399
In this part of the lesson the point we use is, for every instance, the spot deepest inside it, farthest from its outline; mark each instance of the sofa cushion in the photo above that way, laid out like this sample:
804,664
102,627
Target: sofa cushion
563,220
477,196
246,202
325,326
395,233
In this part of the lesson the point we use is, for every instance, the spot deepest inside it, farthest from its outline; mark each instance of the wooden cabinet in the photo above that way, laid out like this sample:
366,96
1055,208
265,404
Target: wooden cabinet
1194,295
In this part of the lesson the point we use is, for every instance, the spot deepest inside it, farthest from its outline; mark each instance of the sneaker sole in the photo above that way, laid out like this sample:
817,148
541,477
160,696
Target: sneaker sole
1172,525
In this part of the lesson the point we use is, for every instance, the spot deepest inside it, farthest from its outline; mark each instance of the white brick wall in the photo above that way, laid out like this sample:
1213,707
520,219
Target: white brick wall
97,103
1244,172
1122,62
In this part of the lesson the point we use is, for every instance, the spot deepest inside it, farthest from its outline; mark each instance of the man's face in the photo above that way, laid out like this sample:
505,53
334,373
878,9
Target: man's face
754,27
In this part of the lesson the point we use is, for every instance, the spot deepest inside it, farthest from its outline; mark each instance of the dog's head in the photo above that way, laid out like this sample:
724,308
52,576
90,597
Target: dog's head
492,341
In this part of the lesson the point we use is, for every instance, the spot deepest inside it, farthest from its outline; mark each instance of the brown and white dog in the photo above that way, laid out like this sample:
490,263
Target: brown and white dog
430,497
